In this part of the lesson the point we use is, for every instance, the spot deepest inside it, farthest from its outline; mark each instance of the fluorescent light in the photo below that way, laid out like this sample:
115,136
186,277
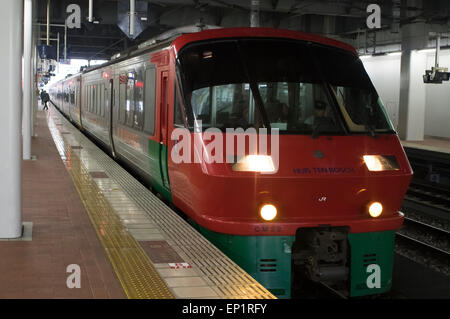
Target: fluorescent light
427,51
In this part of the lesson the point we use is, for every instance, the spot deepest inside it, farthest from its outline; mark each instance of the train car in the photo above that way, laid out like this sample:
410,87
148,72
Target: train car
321,207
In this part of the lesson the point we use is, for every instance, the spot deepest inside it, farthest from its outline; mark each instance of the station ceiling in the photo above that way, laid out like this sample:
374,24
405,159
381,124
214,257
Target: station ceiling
337,18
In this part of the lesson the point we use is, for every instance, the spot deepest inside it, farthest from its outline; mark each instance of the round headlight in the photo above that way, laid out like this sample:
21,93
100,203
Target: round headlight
268,212
375,209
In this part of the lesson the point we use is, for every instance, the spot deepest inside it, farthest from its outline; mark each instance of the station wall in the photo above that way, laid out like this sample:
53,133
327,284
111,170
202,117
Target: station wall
385,74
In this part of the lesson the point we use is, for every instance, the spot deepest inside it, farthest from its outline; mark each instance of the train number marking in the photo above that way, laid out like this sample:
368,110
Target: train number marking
267,229
374,279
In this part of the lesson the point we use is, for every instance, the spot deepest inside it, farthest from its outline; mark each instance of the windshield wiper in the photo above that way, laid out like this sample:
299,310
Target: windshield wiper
370,129
254,88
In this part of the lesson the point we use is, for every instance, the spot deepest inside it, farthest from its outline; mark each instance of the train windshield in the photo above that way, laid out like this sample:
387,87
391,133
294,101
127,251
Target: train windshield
296,87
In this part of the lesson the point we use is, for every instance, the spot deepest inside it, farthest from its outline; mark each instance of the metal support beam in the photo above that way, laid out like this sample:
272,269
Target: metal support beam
11,27
254,13
438,50
132,13
48,22
57,48
65,41
91,11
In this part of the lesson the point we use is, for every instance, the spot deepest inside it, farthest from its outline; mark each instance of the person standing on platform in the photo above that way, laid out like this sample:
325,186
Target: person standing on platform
45,98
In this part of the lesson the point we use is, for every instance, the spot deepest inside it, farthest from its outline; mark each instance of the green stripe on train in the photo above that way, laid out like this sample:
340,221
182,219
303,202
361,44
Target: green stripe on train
158,168
266,258
372,257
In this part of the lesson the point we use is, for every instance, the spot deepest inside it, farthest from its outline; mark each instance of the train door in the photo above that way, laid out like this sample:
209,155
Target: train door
163,143
110,115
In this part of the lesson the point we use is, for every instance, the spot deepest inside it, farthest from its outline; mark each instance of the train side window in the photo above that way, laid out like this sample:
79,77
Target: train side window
72,96
93,97
88,97
123,80
139,100
102,100
94,100
129,109
99,99
150,96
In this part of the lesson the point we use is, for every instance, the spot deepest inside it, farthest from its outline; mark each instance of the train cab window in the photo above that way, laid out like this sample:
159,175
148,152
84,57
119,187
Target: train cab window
357,99
138,119
295,86
150,100
123,80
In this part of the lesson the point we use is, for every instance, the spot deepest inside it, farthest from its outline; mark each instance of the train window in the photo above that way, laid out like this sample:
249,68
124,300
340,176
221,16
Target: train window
123,80
248,83
178,112
72,96
296,87
99,100
150,96
88,97
357,99
94,99
139,100
102,100
129,103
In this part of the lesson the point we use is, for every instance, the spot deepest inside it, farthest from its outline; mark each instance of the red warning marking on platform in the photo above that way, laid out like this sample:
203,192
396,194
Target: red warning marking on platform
179,265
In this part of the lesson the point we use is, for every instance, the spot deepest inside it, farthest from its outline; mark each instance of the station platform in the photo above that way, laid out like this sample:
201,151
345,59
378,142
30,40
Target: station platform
81,208
429,143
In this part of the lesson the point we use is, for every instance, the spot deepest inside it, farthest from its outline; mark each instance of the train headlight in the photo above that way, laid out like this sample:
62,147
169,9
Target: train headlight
375,209
255,163
268,212
378,163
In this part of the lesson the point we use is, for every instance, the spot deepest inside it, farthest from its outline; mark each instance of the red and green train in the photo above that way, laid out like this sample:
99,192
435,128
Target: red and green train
326,212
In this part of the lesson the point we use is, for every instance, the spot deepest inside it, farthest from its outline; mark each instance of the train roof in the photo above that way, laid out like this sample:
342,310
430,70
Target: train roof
248,32
179,37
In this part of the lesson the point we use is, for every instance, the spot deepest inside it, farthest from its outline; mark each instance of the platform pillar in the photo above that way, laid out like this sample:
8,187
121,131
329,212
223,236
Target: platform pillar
27,78
411,117
11,19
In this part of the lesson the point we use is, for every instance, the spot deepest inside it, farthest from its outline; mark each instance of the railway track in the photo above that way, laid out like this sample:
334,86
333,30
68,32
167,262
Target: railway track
428,199
432,243
430,195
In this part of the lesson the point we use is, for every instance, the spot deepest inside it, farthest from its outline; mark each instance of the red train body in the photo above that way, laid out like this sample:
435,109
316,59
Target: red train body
321,189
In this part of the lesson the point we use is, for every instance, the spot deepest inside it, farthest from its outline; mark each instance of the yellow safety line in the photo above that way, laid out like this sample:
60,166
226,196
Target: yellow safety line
138,277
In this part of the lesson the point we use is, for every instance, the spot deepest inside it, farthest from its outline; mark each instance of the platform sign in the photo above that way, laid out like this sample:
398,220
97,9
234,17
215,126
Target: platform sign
140,17
46,52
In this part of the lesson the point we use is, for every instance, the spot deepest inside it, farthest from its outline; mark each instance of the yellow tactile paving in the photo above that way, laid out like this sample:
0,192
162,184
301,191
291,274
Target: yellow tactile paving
135,271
